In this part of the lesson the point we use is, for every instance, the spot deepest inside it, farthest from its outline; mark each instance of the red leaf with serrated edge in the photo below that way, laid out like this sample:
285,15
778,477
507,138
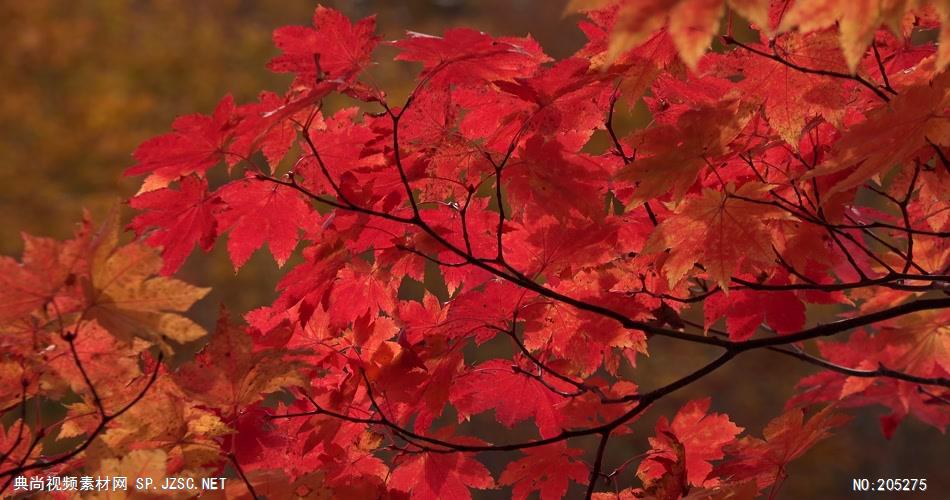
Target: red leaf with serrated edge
514,396
727,234
229,374
43,271
464,56
543,174
196,145
703,436
787,437
789,97
177,220
304,288
342,144
914,344
433,476
482,310
745,310
869,149
545,469
333,49
258,211
358,290
265,125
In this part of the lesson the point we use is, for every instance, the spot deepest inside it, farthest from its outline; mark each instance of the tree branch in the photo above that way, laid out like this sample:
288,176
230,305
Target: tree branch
103,422
598,464
812,71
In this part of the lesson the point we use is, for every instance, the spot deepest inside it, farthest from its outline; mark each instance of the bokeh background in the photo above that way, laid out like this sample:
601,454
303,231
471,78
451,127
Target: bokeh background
82,83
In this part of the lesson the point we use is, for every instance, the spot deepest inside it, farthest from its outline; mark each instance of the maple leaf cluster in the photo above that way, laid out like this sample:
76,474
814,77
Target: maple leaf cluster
806,165
86,325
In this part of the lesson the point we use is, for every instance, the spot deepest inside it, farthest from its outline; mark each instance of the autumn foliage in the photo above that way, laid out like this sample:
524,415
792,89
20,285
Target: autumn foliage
801,162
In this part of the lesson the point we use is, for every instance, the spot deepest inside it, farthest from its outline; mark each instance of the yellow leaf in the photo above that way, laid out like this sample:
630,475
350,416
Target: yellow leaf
692,26
943,48
692,23
636,21
755,11
129,300
811,15
135,464
857,21
166,418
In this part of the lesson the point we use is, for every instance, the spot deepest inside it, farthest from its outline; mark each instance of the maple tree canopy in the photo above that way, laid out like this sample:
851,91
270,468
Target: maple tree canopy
806,163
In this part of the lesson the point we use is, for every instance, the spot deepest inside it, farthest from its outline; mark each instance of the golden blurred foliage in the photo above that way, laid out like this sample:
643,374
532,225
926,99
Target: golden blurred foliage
85,82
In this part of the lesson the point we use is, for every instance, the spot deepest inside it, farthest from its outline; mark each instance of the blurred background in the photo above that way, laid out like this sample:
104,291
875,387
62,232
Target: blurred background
84,82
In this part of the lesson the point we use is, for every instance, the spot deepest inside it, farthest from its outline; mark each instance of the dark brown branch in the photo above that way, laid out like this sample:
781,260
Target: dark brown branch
642,403
70,339
500,229
627,322
890,280
103,422
873,256
905,215
430,258
517,278
847,254
940,154
836,230
292,183
880,68
836,327
598,464
908,259
790,208
935,397
883,225
463,214
812,71
539,377
240,472
305,129
499,167
880,372
618,149
580,386
397,155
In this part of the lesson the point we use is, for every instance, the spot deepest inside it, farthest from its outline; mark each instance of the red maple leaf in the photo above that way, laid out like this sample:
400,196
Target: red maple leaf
514,396
256,212
196,145
464,56
177,220
787,437
703,436
545,469
745,310
440,475
333,49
